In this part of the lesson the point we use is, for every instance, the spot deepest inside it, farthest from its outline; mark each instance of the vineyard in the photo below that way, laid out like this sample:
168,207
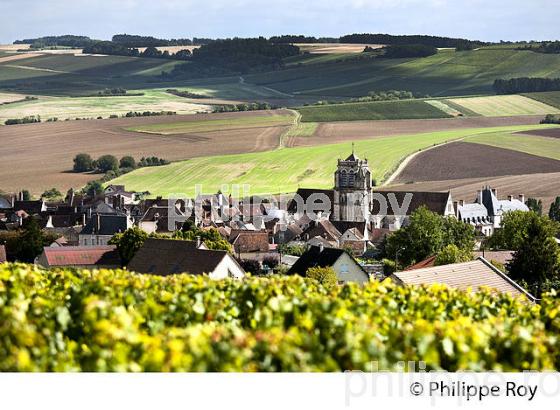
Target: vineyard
118,321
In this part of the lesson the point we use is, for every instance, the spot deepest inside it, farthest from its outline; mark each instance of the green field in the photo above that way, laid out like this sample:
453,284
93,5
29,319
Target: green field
302,129
448,73
504,105
530,144
93,107
284,170
381,110
306,78
231,123
551,98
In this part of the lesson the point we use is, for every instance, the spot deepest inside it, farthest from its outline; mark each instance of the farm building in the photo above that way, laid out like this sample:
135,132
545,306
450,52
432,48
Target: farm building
168,257
90,257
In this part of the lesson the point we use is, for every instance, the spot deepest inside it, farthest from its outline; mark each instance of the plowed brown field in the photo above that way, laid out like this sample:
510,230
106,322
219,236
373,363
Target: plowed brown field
40,156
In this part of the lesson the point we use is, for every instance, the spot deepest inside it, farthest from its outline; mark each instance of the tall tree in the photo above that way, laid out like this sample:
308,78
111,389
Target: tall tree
554,212
535,205
538,257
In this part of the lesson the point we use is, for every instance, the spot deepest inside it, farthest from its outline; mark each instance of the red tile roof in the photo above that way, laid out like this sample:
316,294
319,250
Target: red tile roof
82,256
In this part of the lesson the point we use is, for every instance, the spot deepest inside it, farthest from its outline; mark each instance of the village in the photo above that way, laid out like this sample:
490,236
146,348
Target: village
345,229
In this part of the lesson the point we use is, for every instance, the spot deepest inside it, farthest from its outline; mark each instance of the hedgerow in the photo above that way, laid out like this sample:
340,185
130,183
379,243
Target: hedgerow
69,320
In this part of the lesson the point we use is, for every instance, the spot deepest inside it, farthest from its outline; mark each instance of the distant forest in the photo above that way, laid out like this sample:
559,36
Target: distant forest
526,85
434,41
552,47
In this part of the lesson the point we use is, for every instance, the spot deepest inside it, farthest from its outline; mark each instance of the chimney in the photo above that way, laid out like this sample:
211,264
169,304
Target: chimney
198,242
522,198
98,223
461,202
13,201
495,192
510,197
84,219
321,247
21,195
479,196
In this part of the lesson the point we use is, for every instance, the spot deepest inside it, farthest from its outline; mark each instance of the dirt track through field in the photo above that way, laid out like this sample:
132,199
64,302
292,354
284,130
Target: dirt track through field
40,155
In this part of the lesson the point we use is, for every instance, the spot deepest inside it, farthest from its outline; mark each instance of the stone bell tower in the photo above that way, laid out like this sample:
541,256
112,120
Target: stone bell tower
352,189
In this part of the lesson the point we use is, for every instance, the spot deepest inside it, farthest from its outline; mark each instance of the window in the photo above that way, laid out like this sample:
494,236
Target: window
343,178
351,178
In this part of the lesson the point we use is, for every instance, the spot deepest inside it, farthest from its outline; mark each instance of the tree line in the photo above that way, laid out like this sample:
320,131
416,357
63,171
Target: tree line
552,47
434,41
526,85
55,41
289,39
235,56
115,49
409,51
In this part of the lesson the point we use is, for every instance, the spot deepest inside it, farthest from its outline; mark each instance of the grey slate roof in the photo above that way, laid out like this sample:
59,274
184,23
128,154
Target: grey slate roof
315,257
105,225
168,257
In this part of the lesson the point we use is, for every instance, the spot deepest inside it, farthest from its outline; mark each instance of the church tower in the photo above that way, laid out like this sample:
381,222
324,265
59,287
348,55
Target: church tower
352,190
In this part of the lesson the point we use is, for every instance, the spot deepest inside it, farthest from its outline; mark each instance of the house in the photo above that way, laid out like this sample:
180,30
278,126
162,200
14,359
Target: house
3,257
345,266
385,212
249,241
101,228
90,257
487,211
167,257
463,276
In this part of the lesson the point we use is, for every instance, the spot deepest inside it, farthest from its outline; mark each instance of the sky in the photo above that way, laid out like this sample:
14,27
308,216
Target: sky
487,20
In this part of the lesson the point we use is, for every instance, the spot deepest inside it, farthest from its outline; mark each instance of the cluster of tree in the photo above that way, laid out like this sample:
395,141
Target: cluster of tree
51,194
184,94
27,242
536,260
57,41
116,49
105,163
235,56
551,119
390,95
552,47
430,234
25,120
433,41
289,39
133,41
148,113
409,51
27,98
526,85
295,250
243,107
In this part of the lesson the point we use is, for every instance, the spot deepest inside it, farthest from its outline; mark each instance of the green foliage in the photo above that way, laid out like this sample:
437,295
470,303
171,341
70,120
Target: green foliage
514,230
535,205
127,162
52,193
409,51
106,163
211,238
551,119
128,243
452,254
378,110
67,320
526,85
426,235
295,250
389,267
26,195
325,276
83,163
25,244
554,212
25,120
93,188
538,257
